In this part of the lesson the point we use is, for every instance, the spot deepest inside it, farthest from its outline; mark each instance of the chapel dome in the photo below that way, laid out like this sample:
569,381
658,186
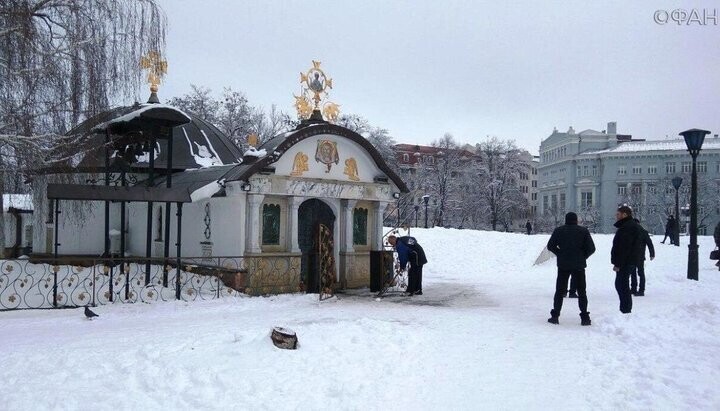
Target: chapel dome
196,144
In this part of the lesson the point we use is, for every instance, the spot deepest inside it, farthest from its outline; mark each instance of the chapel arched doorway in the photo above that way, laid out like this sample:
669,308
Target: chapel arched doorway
316,222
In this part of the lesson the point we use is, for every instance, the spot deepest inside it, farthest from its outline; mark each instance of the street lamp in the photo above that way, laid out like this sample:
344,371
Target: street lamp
676,182
417,207
694,139
426,199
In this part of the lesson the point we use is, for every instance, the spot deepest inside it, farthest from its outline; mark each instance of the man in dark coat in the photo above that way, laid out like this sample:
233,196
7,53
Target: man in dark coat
647,242
528,227
625,253
409,251
572,245
669,230
716,236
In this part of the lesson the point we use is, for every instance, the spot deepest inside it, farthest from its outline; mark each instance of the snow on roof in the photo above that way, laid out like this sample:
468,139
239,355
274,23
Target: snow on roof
205,192
591,132
19,201
253,152
655,145
136,113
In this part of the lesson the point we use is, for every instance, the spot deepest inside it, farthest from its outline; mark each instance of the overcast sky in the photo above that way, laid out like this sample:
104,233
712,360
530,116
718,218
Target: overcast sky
512,69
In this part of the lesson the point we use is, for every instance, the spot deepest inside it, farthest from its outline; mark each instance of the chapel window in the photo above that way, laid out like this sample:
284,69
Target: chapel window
271,224
360,221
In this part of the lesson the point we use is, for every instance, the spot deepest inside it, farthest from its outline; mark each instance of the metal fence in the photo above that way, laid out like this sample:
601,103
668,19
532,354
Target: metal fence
66,282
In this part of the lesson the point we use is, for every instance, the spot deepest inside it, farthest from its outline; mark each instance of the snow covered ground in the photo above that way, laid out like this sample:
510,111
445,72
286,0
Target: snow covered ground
477,339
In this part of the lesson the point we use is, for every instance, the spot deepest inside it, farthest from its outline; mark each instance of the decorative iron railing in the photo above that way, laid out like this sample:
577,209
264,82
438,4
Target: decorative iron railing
66,283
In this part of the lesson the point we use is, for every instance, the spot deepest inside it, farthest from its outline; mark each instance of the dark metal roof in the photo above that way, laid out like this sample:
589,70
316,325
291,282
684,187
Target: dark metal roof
196,143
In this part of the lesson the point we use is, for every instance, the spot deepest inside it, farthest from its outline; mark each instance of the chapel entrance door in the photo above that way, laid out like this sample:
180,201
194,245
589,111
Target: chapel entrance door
315,238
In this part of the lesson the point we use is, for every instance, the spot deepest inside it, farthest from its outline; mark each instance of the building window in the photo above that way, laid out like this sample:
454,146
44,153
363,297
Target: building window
586,170
553,201
562,202
578,171
586,199
271,224
686,167
636,189
637,170
360,220
652,169
622,170
406,158
651,189
534,183
702,166
534,196
622,190
546,205
594,171
718,168
670,168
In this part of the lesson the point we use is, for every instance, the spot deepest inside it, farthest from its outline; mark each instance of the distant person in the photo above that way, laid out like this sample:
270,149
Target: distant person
409,251
716,236
669,230
528,227
572,245
646,243
624,254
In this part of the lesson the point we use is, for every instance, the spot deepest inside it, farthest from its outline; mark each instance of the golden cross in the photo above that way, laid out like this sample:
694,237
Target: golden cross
156,67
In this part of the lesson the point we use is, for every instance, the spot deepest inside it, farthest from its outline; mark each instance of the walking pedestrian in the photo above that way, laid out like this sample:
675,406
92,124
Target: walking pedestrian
572,245
669,230
528,227
716,236
410,252
624,254
646,243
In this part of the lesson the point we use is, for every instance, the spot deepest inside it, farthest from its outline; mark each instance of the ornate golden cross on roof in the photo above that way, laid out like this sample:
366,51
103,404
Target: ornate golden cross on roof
314,88
156,68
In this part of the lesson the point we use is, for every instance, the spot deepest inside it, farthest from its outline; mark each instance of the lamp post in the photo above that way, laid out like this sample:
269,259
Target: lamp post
417,207
694,139
676,182
426,199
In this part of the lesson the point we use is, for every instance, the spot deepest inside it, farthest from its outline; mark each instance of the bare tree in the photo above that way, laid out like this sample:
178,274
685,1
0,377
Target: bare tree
501,195
62,61
233,114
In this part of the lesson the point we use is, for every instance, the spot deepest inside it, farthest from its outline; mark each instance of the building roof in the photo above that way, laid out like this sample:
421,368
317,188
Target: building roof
655,145
196,144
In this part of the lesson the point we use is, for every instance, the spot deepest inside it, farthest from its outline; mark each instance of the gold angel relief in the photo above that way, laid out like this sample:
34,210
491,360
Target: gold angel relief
300,164
351,169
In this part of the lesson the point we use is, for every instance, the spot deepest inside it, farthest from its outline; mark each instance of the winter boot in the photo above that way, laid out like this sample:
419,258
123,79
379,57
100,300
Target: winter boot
584,318
554,317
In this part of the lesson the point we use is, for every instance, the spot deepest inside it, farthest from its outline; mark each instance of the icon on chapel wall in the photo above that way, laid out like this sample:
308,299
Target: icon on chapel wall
351,169
300,164
314,88
327,153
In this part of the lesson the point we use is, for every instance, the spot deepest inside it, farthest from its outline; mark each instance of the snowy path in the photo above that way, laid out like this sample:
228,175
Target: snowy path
477,339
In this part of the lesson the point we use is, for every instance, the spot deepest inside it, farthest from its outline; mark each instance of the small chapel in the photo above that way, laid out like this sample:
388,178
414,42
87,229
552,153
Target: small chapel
302,211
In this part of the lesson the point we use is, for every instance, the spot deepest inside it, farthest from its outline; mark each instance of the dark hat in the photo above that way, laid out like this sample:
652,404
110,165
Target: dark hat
624,208
571,218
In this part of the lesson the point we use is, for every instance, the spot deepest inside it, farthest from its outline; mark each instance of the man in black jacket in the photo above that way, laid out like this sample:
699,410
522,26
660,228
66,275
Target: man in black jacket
669,230
625,253
716,236
572,245
646,242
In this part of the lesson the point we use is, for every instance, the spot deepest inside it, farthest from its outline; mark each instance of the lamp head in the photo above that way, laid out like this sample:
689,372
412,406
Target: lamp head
676,182
694,139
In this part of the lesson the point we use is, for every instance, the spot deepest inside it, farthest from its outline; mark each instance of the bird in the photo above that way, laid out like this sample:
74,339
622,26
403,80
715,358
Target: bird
89,314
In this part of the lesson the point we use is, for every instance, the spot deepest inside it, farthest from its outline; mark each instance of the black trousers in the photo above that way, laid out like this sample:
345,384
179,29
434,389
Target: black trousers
622,286
670,234
561,285
634,279
414,278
